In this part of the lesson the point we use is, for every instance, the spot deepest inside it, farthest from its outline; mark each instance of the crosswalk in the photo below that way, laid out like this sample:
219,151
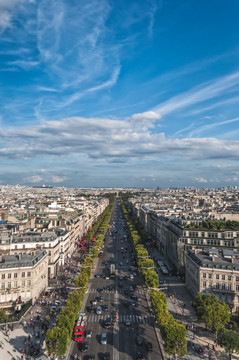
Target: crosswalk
119,291
122,318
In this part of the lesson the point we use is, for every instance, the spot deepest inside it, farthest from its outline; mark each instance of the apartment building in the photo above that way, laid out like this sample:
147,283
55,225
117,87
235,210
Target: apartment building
55,242
215,271
22,277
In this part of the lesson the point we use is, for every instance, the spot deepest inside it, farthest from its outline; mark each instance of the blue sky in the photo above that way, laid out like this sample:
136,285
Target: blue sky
139,93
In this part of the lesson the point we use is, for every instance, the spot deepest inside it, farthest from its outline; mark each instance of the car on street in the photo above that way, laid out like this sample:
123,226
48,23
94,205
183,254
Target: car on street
149,346
98,310
90,308
88,333
127,322
106,356
105,307
139,340
103,339
107,324
139,355
83,347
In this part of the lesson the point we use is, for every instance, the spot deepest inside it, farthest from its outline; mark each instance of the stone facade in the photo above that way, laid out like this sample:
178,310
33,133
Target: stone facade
22,277
214,271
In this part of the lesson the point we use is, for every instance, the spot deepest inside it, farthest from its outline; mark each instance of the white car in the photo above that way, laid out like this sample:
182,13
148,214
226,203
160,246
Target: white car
127,322
103,339
99,310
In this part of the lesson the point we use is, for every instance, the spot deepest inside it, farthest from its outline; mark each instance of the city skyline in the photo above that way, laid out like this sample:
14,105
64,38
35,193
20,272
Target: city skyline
105,94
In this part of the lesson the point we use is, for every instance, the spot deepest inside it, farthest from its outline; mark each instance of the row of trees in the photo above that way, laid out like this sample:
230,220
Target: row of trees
145,264
57,338
173,332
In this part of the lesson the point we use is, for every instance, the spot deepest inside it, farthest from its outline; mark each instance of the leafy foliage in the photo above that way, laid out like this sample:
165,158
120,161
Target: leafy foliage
214,312
3,315
173,333
229,340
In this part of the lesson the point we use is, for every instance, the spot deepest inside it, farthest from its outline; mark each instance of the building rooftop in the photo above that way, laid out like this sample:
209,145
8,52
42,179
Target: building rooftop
18,261
215,258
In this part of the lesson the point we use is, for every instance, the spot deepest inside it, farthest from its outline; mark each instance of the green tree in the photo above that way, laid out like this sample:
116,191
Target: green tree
64,322
57,341
229,340
82,280
3,315
217,315
175,339
150,278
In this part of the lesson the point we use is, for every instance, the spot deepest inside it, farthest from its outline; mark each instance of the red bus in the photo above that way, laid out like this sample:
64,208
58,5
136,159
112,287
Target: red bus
80,327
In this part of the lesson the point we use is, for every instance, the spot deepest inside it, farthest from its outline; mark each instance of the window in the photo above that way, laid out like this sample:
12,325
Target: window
23,274
9,276
15,284
210,276
229,278
204,284
28,282
204,275
223,277
15,275
29,273
223,286
210,284
217,285
3,276
237,278
237,287
23,283
217,276
3,286
9,285
229,287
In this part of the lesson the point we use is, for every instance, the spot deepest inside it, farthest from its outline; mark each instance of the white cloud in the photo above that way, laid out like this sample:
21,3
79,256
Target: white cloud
24,64
109,83
34,179
59,179
151,115
200,180
199,94
47,89
107,139
7,9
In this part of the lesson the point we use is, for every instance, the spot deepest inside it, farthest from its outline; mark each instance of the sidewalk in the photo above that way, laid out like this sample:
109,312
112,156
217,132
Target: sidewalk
24,339
201,342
